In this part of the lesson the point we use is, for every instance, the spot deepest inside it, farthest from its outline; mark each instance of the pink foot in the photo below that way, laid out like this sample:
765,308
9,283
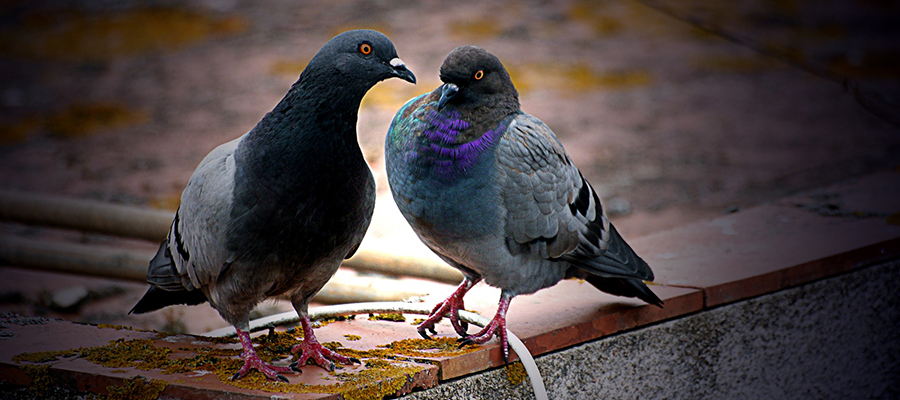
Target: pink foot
310,348
497,326
251,360
450,307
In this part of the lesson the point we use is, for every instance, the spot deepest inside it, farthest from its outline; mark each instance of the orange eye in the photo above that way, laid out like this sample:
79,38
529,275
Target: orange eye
479,75
365,48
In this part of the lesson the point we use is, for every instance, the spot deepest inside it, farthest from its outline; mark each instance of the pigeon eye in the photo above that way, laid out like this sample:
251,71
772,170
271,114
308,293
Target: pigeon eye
479,75
365,48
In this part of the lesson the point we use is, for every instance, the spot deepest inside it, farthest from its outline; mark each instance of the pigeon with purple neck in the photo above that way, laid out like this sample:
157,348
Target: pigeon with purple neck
491,190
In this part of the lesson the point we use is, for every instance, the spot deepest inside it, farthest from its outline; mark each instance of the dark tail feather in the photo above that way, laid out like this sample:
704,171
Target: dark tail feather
619,253
618,261
625,287
166,288
157,298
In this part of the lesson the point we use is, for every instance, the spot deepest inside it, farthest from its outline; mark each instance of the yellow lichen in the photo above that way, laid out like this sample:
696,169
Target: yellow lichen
475,28
377,363
894,219
396,317
19,130
515,372
575,77
101,36
82,119
352,338
135,353
602,23
385,373
376,383
137,388
318,323
111,326
41,381
43,356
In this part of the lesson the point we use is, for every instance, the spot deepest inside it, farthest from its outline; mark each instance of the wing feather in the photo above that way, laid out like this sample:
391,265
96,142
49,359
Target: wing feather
195,240
552,210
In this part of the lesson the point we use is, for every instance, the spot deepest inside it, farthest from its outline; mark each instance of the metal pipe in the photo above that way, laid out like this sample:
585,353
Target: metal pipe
75,258
153,225
391,264
93,216
132,265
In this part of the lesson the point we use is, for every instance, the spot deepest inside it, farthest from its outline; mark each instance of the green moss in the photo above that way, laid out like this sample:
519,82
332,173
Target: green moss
41,382
383,374
396,317
894,219
79,120
376,383
111,326
516,373
101,36
43,356
475,28
137,388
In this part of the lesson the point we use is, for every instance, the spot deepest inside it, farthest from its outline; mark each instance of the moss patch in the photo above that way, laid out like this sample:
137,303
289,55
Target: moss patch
396,317
79,120
413,349
75,121
74,35
137,388
516,373
384,374
41,382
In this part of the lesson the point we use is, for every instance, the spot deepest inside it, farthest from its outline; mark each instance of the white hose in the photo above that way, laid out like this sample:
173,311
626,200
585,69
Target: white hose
340,310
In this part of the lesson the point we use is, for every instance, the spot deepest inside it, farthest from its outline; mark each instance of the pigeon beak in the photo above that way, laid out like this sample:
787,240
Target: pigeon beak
401,71
447,92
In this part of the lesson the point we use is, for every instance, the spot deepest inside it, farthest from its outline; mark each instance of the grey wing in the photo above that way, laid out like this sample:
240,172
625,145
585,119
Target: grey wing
197,238
552,211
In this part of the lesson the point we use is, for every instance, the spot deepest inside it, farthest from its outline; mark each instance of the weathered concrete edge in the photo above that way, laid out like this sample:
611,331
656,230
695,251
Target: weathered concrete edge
829,338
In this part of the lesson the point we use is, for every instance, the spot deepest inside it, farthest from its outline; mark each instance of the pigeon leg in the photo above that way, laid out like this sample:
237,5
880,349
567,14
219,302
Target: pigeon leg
251,360
451,305
310,348
497,326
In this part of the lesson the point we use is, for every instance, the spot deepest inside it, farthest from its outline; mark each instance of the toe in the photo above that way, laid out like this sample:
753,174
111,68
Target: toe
424,335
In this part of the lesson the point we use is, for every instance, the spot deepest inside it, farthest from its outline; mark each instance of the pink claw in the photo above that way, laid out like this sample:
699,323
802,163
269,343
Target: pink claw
450,307
310,348
252,360
497,326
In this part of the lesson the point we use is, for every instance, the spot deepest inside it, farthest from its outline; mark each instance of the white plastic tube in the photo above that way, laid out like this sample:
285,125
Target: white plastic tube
340,310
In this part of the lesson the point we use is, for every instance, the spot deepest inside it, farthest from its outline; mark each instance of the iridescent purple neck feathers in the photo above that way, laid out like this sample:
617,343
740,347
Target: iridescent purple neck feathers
447,146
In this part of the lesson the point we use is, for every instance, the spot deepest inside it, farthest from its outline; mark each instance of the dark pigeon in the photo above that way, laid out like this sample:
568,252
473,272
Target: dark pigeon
276,210
491,190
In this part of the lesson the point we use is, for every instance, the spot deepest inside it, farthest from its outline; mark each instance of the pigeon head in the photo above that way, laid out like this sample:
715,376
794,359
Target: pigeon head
474,78
360,57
